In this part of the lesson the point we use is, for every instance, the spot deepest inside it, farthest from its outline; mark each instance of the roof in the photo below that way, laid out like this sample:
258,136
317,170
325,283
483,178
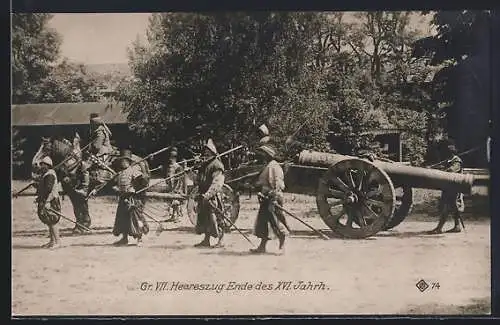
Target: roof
66,113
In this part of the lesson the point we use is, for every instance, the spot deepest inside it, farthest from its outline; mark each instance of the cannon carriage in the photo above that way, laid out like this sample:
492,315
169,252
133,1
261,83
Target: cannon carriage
357,197
186,193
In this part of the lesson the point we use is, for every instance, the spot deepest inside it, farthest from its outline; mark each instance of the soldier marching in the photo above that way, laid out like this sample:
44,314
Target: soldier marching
451,201
174,185
129,219
48,202
272,184
210,182
76,186
132,181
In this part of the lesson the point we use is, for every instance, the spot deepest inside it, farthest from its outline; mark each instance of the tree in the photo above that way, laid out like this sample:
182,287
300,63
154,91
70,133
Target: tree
35,48
460,52
68,83
353,118
222,74
391,93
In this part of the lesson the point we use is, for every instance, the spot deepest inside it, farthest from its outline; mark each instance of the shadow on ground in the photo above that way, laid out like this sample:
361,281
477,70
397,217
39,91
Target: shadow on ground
408,234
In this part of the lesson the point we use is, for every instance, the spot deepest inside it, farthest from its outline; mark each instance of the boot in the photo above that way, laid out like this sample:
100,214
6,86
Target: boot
261,248
49,244
439,227
122,242
139,241
281,238
457,228
56,245
220,242
204,243
77,231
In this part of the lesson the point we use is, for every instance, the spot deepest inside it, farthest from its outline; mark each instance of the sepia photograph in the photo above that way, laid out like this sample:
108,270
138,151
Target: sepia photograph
251,163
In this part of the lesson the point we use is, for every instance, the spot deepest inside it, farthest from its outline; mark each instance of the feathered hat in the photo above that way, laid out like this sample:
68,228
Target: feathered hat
211,146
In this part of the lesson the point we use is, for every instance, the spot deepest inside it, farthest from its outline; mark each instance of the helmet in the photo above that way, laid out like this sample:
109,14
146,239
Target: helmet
46,160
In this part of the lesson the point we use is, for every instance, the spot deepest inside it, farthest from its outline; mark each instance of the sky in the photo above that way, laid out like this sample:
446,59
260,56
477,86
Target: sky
104,38
99,38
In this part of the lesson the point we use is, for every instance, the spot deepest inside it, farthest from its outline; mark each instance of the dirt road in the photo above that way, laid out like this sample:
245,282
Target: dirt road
168,276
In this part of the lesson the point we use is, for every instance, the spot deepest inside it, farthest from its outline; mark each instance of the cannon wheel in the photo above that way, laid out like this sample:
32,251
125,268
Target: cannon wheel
231,205
355,198
404,203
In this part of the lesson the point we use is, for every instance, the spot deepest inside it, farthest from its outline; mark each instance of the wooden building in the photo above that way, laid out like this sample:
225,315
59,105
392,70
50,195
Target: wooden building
31,122
389,141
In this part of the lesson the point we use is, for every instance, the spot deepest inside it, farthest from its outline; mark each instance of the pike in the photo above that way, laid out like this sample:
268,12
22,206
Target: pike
459,155
322,235
101,163
180,162
160,228
71,155
15,195
188,169
155,169
221,213
115,174
243,177
66,218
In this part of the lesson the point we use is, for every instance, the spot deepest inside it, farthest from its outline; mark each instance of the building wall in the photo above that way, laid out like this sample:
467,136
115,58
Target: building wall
391,145
389,142
122,137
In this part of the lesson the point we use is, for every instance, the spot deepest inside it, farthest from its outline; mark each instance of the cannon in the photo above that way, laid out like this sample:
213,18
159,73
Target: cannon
357,197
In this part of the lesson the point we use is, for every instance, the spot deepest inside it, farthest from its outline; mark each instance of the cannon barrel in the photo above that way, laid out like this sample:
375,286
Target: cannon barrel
399,173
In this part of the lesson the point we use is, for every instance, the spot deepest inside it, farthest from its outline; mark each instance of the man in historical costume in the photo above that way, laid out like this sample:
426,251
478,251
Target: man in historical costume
100,137
174,185
172,167
48,198
210,183
129,220
76,186
270,221
451,201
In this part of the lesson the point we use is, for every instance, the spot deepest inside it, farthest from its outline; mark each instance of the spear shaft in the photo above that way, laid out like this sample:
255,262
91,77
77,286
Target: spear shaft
189,169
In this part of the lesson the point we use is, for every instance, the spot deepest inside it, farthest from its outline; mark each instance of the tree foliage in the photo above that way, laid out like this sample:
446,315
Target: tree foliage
38,73
460,53
69,83
35,48
369,54
223,74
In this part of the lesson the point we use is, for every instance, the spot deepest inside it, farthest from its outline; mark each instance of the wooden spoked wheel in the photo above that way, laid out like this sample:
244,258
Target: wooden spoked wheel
404,203
230,200
355,198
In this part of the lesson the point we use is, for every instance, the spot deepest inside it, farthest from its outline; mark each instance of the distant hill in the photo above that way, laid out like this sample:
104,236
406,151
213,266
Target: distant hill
119,69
